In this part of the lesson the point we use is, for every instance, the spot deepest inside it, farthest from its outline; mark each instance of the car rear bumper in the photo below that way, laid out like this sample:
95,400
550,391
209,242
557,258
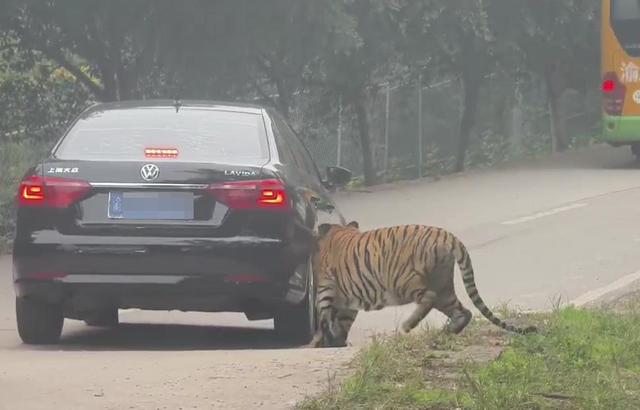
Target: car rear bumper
191,274
193,294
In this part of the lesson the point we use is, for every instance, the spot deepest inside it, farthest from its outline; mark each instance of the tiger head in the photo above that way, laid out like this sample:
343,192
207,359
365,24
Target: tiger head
323,239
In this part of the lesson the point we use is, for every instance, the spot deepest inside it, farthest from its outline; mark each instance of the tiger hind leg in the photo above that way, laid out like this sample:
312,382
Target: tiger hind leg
459,317
425,303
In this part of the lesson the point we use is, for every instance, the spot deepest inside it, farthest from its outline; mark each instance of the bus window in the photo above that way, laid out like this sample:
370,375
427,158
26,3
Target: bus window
625,22
625,10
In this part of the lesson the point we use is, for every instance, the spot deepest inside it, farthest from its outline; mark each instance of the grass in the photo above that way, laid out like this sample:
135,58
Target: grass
582,359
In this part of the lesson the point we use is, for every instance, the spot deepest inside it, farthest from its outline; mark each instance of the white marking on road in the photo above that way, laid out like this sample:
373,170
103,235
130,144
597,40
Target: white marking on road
600,292
543,214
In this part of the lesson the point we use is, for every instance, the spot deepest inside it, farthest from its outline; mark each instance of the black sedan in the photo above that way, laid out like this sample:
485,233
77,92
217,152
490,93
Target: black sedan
163,205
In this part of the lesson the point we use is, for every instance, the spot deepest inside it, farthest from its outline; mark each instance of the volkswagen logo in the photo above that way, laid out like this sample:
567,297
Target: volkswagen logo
150,172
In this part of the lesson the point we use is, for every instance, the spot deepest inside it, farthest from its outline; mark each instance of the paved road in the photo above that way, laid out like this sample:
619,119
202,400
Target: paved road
565,227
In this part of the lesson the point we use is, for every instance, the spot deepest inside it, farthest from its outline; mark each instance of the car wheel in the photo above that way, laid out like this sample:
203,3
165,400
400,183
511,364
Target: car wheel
39,323
297,324
103,318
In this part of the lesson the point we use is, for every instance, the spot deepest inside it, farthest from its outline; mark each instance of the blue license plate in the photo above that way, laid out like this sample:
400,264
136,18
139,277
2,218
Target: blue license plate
151,205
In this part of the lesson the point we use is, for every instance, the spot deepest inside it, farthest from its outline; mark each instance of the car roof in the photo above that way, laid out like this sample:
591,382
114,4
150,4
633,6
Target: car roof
184,104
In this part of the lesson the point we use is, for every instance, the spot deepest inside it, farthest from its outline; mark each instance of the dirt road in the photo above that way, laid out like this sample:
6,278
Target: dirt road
564,227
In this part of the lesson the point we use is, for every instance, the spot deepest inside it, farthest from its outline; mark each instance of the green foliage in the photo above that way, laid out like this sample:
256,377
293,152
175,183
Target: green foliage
38,100
583,359
388,375
119,40
491,149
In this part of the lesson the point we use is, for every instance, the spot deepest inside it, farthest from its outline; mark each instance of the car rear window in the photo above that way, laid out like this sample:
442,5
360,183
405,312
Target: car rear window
198,135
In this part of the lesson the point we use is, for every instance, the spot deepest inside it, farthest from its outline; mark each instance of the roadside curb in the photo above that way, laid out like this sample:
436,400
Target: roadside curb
601,297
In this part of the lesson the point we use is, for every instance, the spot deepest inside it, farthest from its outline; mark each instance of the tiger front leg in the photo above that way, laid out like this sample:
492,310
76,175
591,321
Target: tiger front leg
322,336
333,327
425,303
340,326
326,312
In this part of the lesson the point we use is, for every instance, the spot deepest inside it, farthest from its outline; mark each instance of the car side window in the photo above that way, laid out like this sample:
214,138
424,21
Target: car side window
300,152
287,156
313,168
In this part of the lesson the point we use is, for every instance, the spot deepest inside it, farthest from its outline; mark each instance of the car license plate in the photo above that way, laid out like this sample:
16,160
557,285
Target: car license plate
151,205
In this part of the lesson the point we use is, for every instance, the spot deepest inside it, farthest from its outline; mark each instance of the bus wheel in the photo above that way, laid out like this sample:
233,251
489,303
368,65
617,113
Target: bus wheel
635,150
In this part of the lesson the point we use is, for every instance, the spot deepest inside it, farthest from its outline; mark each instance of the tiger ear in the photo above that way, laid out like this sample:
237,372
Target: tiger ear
354,224
323,230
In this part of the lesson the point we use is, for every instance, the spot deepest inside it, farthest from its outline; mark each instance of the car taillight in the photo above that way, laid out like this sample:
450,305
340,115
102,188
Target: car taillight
264,194
51,192
32,191
614,93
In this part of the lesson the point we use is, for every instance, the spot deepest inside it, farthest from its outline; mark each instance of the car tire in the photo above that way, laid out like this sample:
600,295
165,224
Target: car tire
39,323
103,318
297,324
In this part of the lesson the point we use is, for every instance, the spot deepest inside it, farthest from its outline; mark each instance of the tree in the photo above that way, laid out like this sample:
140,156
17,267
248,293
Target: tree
284,51
195,49
452,40
117,39
556,40
38,99
284,39
359,56
568,55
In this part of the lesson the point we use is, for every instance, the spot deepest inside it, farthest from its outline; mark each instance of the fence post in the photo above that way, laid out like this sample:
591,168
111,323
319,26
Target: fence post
516,121
339,159
552,127
420,126
386,133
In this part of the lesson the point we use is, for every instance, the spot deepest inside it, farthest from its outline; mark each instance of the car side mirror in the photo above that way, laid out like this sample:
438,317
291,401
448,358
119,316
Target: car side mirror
338,176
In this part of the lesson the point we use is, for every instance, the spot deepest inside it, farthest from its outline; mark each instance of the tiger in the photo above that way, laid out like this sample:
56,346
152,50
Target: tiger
390,266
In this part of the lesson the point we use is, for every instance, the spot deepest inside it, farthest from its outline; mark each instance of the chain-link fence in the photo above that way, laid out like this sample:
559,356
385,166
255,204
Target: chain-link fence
415,133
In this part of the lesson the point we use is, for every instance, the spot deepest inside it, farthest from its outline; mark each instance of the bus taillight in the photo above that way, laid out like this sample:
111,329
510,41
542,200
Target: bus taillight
614,92
608,86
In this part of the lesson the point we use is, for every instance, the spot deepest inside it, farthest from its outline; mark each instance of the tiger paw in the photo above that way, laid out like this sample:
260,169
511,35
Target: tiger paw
406,328
315,342
459,322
